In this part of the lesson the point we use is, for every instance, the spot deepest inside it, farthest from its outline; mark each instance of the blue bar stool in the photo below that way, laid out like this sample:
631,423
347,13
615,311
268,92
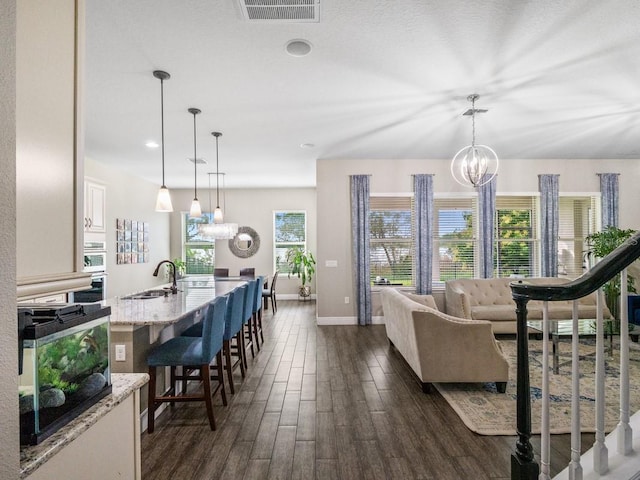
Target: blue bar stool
248,316
232,330
257,310
191,353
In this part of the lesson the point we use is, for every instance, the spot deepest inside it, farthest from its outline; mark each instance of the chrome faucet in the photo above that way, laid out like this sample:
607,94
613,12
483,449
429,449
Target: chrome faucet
174,286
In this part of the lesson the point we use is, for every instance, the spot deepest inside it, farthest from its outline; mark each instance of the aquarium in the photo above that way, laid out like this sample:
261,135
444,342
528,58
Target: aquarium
65,366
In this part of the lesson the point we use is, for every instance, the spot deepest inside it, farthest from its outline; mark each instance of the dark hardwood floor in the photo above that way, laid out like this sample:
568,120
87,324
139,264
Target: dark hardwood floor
328,402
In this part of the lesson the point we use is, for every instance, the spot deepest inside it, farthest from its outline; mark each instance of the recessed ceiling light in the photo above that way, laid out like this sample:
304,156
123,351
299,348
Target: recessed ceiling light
298,47
307,145
199,161
152,144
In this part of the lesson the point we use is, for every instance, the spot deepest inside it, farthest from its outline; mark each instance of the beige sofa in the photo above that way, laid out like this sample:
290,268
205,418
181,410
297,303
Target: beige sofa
490,299
439,347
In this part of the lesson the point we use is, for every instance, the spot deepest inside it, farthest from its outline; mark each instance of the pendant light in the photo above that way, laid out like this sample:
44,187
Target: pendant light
218,230
163,202
218,216
474,165
195,211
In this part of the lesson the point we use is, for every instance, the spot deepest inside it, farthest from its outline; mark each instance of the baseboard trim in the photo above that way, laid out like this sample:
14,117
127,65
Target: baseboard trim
292,296
346,320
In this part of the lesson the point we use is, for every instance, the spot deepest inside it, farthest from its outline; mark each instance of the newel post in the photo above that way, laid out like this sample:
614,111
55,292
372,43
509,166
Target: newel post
523,463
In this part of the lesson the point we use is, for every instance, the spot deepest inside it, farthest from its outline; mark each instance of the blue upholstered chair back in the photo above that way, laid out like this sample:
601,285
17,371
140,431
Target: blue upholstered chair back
235,312
213,327
248,300
257,299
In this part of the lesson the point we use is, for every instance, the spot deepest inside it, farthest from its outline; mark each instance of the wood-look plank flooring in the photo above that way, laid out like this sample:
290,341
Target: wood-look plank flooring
327,402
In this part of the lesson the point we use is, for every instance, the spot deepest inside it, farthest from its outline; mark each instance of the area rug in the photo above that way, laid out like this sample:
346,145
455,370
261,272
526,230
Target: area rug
487,412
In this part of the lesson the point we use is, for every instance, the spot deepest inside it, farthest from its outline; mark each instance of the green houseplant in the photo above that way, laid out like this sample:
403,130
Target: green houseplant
181,268
600,245
302,264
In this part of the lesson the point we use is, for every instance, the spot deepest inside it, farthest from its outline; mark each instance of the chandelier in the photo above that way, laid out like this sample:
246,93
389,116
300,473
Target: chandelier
218,230
474,165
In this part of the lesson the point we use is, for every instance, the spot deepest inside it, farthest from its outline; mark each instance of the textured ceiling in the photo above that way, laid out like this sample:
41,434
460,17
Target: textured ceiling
385,79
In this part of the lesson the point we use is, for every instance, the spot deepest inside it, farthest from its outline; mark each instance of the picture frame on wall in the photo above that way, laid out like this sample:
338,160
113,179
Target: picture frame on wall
132,241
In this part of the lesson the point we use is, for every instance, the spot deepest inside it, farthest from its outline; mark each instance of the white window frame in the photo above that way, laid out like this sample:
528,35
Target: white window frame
185,244
291,244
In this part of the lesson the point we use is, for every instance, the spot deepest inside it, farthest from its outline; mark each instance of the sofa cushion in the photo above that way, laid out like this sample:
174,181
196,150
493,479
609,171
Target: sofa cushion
426,300
494,313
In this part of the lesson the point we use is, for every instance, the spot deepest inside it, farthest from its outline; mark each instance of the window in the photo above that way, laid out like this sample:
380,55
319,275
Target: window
391,242
455,253
455,243
197,252
577,220
289,231
515,239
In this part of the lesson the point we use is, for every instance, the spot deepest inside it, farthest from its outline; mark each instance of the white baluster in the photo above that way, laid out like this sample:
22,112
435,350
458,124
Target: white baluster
545,436
575,468
600,451
624,432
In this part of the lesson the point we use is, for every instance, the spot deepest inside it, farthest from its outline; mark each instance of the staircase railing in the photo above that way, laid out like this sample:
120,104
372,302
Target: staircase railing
523,462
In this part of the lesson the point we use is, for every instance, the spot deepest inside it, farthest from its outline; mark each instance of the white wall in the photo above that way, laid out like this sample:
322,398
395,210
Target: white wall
252,208
134,199
9,439
394,176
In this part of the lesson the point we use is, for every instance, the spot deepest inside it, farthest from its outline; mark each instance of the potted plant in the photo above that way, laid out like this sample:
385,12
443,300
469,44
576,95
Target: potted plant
181,268
302,264
602,244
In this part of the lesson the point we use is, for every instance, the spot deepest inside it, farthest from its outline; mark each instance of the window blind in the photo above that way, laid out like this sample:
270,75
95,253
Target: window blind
455,243
392,239
289,231
197,251
516,240
577,220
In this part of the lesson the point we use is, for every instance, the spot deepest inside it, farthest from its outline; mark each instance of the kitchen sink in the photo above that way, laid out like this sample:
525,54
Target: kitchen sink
147,294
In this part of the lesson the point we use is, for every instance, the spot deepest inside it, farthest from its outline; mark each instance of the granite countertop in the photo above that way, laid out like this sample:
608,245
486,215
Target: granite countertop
123,385
193,293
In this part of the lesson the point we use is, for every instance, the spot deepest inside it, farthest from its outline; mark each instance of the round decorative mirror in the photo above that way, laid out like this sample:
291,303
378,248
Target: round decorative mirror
246,242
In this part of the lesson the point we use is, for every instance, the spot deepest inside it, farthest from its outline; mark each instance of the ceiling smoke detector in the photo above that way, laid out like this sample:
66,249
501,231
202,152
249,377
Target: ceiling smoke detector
281,11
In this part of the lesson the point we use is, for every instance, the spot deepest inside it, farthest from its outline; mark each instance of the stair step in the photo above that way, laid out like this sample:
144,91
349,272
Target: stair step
623,467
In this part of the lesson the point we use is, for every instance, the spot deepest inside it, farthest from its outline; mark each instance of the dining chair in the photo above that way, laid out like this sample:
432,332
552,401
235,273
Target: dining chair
220,272
270,293
191,353
248,272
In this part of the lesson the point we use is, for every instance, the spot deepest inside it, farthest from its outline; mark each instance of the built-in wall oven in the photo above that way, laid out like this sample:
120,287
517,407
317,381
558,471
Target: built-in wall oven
95,256
95,261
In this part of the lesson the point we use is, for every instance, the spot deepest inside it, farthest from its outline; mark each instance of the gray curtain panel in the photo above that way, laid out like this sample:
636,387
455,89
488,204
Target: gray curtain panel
487,209
609,192
360,239
549,223
423,197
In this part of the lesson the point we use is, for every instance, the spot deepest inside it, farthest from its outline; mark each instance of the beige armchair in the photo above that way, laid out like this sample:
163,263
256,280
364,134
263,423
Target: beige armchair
442,348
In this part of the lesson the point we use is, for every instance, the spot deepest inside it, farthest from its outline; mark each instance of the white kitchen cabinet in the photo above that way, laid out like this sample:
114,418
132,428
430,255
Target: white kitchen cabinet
94,207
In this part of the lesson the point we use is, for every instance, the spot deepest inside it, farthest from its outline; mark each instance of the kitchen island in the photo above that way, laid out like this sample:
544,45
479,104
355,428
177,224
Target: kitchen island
137,324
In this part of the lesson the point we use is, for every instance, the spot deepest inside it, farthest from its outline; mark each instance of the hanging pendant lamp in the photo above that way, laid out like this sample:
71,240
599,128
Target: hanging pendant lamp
196,210
474,165
218,230
163,202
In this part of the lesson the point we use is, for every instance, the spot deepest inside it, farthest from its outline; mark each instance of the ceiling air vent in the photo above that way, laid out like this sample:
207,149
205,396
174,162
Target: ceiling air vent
281,11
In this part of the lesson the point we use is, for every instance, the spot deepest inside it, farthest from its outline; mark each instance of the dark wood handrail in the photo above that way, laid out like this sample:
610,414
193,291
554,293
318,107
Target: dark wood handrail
523,463
601,273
